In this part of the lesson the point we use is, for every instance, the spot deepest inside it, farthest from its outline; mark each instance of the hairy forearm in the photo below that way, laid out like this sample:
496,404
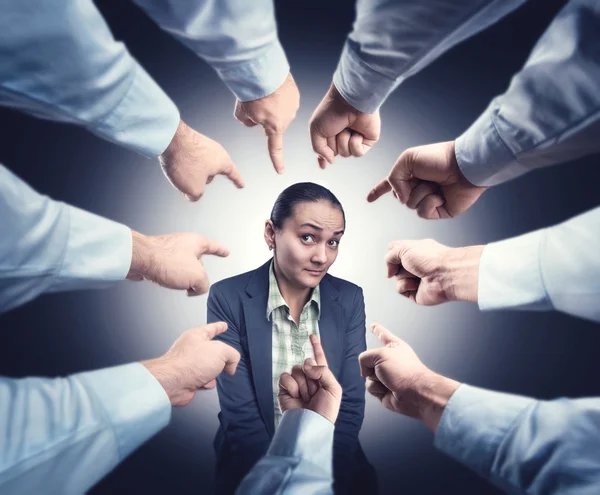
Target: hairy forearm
431,394
142,257
169,377
459,278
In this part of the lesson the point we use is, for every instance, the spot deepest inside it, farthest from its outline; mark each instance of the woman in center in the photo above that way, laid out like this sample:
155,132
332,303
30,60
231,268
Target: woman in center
270,312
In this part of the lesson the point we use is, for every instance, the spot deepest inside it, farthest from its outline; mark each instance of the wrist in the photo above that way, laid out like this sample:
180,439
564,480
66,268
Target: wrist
432,392
139,256
174,145
340,101
460,278
167,375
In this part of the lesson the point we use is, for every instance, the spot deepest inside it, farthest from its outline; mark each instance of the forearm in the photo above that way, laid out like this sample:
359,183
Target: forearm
426,398
551,111
392,41
49,246
67,66
458,274
236,37
63,435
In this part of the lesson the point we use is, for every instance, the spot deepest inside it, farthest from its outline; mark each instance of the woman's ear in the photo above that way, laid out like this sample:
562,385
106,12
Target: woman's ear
270,234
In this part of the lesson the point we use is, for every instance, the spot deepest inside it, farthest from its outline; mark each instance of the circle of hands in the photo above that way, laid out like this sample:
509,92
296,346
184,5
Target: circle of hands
426,179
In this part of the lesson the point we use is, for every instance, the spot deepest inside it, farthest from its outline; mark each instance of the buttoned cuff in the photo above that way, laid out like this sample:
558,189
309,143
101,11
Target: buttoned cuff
97,253
362,87
306,435
474,423
135,404
510,276
144,121
482,155
256,78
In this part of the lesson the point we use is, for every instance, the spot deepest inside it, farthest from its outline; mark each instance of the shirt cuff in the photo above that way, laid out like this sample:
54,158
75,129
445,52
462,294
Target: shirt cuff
362,87
474,423
144,121
483,156
97,253
256,78
510,275
135,403
306,435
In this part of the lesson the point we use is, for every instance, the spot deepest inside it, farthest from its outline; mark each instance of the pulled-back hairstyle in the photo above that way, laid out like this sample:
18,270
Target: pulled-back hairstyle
302,192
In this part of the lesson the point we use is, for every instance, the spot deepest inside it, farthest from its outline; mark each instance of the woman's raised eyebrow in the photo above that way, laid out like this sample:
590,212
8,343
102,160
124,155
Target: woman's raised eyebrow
313,226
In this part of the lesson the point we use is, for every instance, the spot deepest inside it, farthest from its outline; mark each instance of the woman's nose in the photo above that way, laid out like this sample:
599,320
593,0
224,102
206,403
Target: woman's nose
319,254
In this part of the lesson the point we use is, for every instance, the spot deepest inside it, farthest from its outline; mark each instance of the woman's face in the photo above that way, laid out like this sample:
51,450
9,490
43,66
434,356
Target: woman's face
307,244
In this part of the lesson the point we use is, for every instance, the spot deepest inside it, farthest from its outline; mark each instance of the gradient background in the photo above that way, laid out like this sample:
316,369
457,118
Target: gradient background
540,354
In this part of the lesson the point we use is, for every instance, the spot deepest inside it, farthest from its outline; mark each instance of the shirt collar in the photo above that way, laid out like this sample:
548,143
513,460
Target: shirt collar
276,300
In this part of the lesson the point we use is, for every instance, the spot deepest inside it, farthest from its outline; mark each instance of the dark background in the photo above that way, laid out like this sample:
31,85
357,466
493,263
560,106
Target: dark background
539,354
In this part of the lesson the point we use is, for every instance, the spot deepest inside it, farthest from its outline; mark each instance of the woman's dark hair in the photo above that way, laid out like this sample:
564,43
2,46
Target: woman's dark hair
302,192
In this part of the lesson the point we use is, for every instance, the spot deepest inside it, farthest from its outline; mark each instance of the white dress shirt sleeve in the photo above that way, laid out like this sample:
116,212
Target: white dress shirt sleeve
551,110
48,246
238,38
393,40
552,268
59,60
522,445
299,459
63,435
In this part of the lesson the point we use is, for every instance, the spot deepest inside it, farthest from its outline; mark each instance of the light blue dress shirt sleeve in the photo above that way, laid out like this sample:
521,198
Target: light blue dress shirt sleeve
551,110
62,435
59,61
299,459
522,445
238,38
48,246
394,39
552,268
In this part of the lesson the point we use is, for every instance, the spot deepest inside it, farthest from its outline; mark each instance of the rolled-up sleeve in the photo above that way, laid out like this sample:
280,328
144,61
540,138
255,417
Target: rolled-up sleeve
63,435
523,445
551,111
59,61
299,458
552,268
238,38
48,246
393,40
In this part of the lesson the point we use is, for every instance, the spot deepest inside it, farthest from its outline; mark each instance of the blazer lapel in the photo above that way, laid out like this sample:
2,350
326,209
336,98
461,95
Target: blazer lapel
330,326
259,333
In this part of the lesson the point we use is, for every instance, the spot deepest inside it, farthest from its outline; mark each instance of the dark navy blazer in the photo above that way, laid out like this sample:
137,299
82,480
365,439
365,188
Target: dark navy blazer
246,399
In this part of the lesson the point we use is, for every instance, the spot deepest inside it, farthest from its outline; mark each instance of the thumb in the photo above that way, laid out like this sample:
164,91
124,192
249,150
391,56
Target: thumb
199,283
319,143
402,173
367,362
231,357
399,255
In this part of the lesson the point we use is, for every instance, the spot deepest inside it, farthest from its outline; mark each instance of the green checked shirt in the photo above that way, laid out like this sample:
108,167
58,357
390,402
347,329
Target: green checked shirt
291,345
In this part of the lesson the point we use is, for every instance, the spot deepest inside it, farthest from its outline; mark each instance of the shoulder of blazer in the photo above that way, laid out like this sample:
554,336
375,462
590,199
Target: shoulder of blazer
346,290
237,285
232,286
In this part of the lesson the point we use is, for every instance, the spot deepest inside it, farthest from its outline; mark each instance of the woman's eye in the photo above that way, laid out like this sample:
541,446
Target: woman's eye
307,238
334,243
